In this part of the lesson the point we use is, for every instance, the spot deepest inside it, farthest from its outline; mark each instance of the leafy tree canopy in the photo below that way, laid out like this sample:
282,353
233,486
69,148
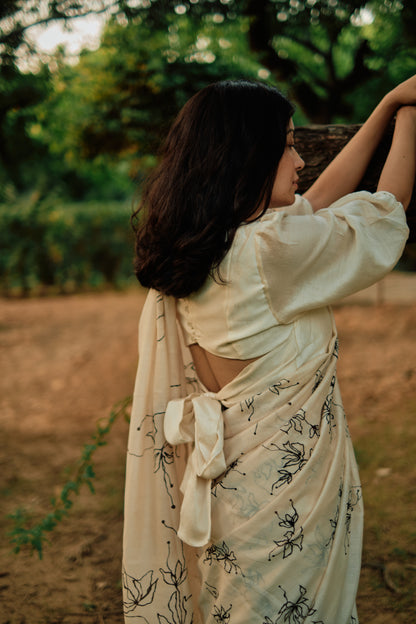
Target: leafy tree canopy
335,58
322,49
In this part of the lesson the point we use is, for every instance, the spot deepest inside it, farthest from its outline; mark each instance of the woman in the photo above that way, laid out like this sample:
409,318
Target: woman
243,500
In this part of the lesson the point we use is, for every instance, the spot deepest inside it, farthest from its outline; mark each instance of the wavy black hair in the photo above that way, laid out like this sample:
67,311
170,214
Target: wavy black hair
217,168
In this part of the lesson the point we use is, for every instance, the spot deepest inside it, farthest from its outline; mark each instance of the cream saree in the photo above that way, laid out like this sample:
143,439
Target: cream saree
242,506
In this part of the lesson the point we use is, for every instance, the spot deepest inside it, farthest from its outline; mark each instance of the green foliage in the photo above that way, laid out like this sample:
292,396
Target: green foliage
133,86
19,155
34,536
100,123
64,246
391,58
84,132
39,143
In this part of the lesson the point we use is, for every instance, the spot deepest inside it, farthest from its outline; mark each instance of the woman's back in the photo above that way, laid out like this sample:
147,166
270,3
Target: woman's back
270,302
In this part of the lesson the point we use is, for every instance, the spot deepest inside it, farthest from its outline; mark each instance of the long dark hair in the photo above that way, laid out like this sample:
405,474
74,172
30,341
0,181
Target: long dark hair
218,166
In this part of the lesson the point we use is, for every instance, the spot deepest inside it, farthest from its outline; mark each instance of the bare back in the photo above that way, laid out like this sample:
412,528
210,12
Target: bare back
215,371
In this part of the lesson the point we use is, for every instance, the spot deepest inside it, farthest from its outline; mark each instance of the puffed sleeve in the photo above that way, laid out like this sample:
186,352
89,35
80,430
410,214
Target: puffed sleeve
309,260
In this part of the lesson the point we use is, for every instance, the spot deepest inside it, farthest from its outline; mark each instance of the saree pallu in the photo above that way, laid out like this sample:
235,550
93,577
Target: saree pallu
252,511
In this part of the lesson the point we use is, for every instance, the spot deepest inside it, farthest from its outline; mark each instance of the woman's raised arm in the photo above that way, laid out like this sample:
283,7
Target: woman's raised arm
398,174
343,174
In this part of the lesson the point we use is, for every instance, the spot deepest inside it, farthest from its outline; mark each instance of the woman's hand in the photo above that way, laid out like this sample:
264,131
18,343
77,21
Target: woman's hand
344,173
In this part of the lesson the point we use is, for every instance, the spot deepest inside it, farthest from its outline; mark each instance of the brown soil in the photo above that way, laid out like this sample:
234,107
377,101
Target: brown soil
66,360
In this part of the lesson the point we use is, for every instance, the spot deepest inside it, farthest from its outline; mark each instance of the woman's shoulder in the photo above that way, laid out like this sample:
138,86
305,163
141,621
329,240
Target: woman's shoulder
301,206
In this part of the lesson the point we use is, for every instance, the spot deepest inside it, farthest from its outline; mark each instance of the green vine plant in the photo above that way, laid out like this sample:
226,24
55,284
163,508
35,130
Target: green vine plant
35,536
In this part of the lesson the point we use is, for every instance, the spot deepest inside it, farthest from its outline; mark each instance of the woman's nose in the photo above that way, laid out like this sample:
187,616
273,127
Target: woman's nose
300,163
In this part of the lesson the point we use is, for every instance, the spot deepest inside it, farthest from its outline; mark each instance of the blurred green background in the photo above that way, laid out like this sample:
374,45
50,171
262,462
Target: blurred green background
79,133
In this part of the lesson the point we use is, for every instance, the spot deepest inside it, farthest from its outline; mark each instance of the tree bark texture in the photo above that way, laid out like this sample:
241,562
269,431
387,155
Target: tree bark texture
319,144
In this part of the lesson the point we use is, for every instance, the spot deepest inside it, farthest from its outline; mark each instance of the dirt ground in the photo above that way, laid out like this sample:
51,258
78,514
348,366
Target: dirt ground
65,361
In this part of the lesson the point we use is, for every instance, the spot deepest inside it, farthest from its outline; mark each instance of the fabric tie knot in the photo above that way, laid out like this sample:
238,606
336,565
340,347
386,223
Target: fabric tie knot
197,418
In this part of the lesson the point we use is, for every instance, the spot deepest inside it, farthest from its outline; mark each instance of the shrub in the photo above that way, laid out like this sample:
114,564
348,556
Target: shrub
64,246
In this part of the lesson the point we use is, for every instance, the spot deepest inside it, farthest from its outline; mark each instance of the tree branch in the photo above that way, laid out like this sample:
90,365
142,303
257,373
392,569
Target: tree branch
20,28
308,44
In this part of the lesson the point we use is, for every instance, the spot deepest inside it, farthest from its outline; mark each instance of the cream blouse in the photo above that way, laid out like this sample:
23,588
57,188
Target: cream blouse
283,270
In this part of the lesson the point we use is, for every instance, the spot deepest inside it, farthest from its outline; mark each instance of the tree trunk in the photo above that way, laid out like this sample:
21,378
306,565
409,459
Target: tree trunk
318,145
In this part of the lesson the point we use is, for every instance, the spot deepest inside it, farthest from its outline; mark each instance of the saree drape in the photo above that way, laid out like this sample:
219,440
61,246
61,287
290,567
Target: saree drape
242,506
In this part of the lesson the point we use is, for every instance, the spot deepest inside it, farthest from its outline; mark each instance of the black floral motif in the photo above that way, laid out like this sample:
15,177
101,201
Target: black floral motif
326,412
178,611
138,592
211,590
248,404
294,458
150,421
220,484
298,422
336,348
354,496
334,521
314,430
221,614
294,612
292,538
285,477
295,455
318,378
280,385
220,481
223,555
163,457
289,542
174,574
